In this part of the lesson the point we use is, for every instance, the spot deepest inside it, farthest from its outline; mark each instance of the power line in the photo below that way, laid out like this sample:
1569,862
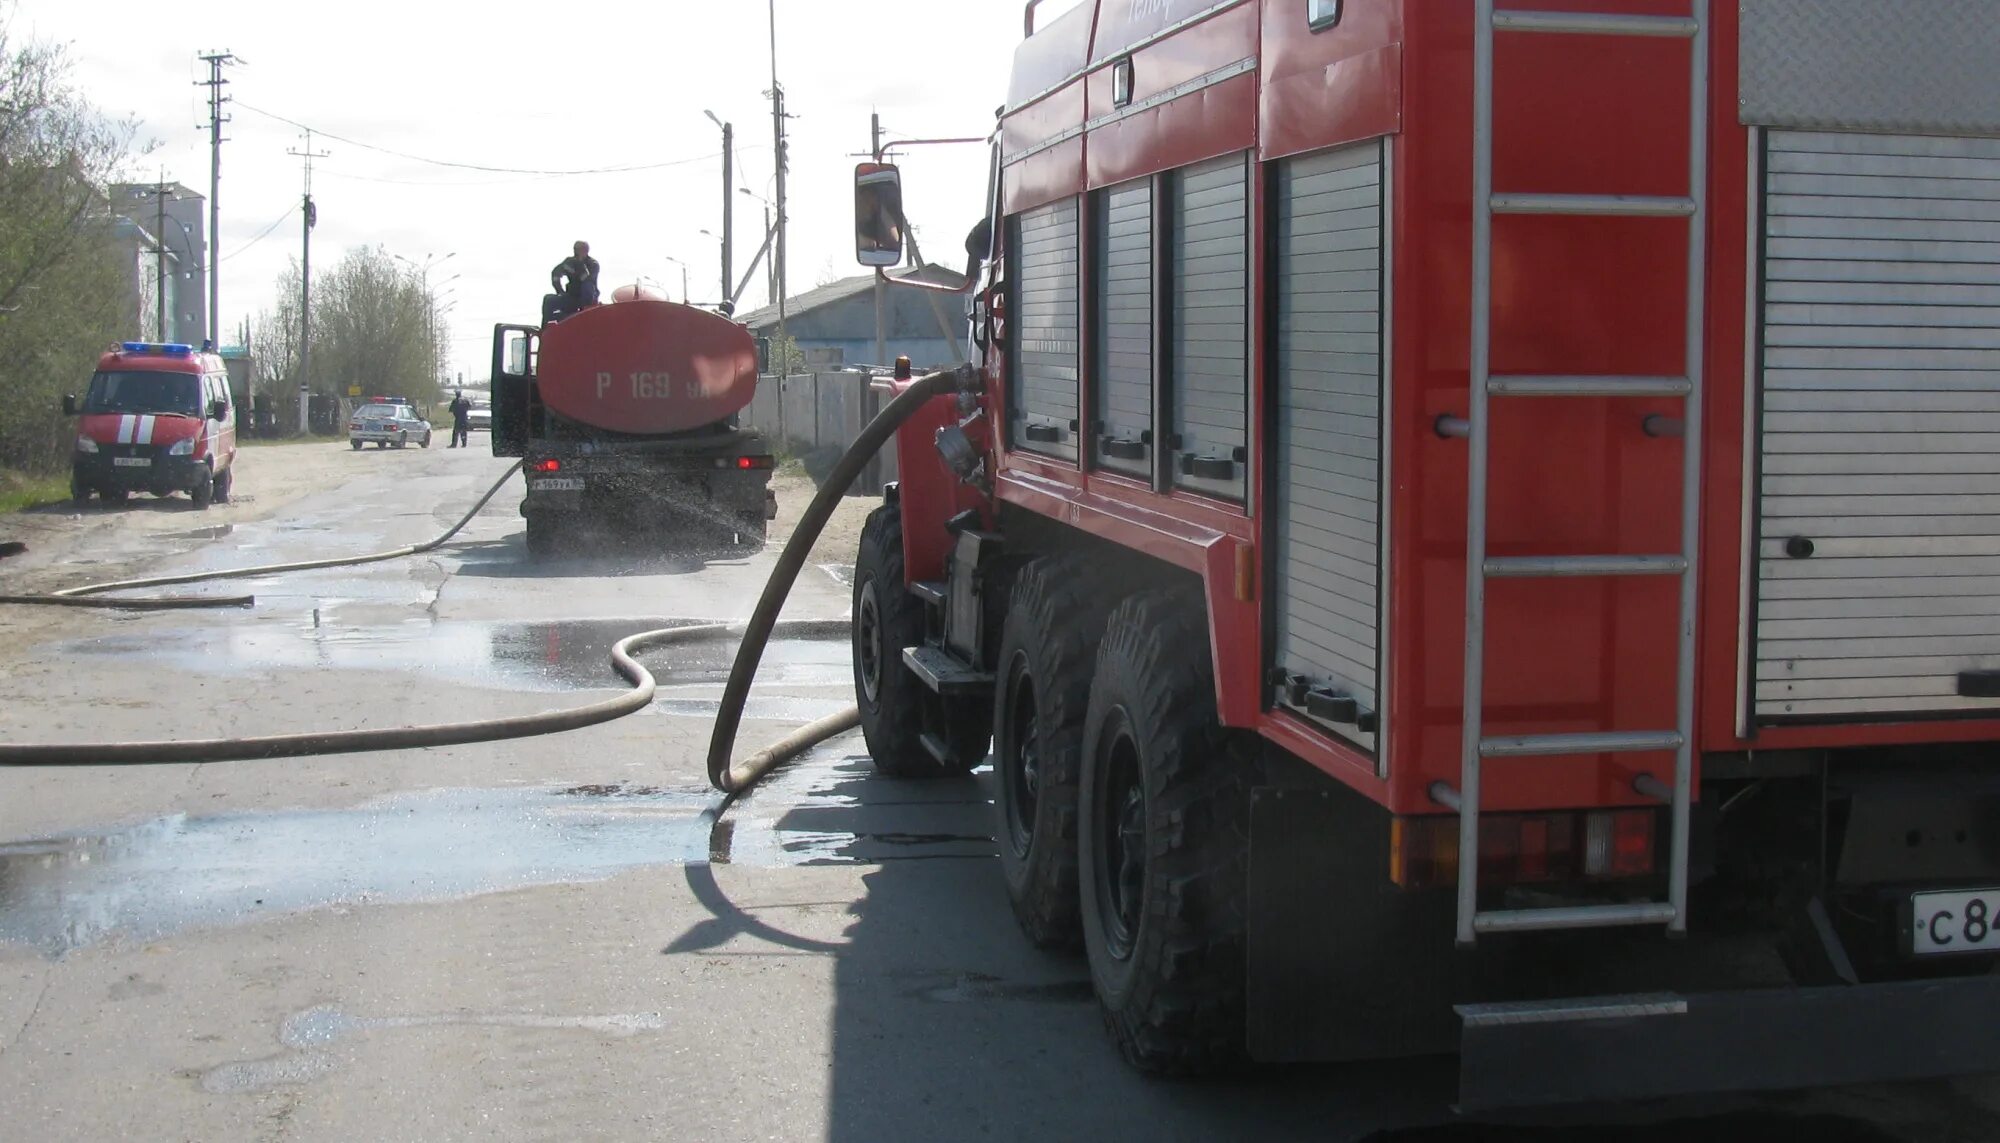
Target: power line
481,167
264,233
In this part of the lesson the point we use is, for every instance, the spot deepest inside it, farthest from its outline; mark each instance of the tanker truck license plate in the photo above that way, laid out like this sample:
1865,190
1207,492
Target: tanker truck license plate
1955,922
560,484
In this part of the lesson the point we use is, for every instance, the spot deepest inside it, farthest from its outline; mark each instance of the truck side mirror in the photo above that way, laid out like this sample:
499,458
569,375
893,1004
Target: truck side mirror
763,355
878,214
218,410
69,405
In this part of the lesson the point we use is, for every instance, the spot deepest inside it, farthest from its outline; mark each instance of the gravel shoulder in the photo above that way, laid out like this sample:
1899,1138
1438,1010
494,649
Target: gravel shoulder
68,545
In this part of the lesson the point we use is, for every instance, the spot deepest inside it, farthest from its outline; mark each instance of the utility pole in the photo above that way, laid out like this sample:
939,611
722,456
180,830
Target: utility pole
881,276
216,119
728,210
778,136
305,285
160,257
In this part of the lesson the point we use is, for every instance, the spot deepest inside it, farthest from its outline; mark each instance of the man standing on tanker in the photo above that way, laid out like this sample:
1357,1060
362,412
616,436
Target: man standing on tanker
574,281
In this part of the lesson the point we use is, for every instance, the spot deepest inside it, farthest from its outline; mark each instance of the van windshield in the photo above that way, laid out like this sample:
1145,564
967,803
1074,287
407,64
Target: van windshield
129,392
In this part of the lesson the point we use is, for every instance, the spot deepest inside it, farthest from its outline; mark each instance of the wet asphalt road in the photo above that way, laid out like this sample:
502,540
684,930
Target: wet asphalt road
547,938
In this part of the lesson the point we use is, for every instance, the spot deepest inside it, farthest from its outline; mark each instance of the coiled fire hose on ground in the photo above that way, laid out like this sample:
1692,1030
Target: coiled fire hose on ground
730,779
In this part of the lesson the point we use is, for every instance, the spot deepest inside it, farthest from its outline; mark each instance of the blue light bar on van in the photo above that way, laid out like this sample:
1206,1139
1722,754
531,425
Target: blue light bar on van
169,349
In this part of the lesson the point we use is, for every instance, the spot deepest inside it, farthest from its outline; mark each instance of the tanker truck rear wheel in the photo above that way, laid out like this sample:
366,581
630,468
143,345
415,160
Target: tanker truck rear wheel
896,708
1047,645
1163,843
541,537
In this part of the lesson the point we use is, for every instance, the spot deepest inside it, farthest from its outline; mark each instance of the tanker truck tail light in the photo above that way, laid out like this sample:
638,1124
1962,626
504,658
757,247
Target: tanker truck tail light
748,463
549,465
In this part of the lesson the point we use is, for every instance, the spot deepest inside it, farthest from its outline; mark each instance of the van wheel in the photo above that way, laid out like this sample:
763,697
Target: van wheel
203,493
222,485
1047,647
1163,843
79,492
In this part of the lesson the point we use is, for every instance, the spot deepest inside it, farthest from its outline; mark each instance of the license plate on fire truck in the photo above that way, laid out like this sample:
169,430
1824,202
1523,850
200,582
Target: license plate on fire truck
1955,922
560,484
131,462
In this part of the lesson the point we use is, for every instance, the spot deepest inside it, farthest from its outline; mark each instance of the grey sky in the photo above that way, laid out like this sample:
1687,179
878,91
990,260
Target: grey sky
547,86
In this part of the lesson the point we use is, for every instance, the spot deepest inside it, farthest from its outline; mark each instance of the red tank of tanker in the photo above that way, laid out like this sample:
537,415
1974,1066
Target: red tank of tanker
646,366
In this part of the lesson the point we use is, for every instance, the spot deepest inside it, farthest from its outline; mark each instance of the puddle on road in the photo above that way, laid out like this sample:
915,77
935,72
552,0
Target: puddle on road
521,656
161,876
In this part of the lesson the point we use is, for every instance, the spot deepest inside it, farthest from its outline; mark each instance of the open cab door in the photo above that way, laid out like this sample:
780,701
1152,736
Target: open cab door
514,348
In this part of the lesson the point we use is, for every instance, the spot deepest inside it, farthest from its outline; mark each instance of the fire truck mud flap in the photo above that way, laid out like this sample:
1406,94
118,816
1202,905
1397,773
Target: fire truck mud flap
1644,1046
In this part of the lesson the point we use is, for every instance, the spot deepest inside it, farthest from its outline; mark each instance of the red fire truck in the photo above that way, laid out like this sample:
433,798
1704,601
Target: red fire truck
1479,530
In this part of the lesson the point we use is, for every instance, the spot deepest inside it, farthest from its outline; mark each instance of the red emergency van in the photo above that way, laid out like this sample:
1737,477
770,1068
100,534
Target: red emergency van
158,419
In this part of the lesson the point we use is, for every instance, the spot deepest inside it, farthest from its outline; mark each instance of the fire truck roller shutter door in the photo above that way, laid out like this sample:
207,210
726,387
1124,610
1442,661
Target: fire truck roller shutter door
1210,326
1878,510
1045,319
1124,438
1329,389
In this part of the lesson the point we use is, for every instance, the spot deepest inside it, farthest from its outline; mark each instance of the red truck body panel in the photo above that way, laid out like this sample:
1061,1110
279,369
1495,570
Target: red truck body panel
1570,296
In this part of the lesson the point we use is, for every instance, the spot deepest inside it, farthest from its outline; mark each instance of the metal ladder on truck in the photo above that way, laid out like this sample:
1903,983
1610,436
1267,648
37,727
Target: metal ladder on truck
1480,568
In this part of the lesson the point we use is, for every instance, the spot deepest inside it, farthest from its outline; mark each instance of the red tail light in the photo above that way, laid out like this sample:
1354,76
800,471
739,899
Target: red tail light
1523,849
549,465
754,462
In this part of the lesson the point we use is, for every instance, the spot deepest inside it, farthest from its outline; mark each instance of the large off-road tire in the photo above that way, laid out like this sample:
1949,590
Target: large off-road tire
887,618
1048,644
203,493
1163,842
897,710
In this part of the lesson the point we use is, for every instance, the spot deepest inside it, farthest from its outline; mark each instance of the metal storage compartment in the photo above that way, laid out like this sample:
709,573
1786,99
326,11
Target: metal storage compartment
1210,248
1328,511
1123,401
1878,466
1044,319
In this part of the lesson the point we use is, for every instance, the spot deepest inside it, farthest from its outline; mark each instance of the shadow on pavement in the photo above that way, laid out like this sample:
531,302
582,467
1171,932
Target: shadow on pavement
946,1024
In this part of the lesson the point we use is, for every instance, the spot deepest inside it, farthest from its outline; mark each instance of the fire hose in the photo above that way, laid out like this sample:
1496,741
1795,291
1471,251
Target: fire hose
731,779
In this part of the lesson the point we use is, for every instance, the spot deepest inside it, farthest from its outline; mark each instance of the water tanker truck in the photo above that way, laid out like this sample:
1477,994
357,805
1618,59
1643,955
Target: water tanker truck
624,416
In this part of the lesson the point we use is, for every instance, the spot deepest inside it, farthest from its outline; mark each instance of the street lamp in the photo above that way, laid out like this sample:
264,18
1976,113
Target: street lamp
684,275
423,270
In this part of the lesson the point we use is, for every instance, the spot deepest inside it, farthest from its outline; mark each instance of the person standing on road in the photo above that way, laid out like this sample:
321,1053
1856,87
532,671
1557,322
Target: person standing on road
574,281
461,419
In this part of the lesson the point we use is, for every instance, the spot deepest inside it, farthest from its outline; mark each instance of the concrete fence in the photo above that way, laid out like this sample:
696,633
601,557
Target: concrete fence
815,416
